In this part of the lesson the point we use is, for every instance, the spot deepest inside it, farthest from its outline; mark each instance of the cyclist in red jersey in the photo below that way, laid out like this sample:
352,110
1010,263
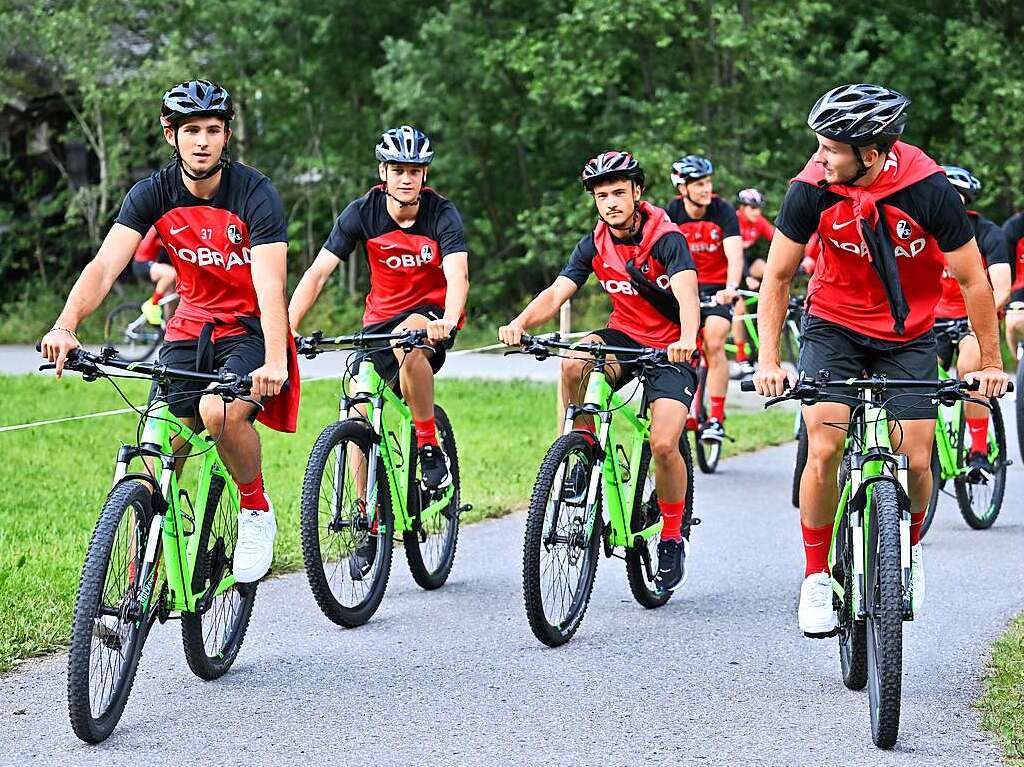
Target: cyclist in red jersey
1013,230
889,222
754,227
951,309
712,232
419,276
152,263
634,239
224,226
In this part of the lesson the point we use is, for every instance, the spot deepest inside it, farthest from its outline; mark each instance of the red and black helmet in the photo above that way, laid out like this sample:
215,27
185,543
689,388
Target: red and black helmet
610,165
195,98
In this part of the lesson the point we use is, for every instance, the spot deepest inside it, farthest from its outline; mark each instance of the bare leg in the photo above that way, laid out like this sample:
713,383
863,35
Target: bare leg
716,330
668,417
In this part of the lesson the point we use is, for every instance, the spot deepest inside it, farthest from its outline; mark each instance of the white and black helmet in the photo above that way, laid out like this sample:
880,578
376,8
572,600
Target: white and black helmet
691,167
859,114
609,165
406,145
965,182
751,197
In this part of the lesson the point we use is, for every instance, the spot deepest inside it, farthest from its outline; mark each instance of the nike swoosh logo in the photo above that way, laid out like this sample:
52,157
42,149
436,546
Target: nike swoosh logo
179,229
388,246
688,392
840,226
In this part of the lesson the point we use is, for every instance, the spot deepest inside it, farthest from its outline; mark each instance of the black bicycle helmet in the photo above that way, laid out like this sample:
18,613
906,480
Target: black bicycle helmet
405,144
860,114
611,164
965,182
195,98
691,167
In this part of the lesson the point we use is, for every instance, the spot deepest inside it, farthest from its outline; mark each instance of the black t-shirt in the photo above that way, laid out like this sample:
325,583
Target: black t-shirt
705,236
1013,231
670,251
991,240
932,202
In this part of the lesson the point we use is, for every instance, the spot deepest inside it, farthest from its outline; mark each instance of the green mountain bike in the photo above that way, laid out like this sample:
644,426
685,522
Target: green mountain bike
980,497
157,552
567,527
870,551
361,490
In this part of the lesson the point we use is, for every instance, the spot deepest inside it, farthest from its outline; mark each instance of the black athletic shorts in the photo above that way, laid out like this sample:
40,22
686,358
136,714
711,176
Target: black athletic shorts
386,361
1016,297
240,354
719,310
848,354
678,382
946,343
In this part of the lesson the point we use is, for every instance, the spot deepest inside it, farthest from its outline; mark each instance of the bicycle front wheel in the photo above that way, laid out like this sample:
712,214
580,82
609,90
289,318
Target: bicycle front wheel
708,452
110,625
562,542
981,498
800,463
213,637
933,499
852,637
885,615
127,330
346,547
430,545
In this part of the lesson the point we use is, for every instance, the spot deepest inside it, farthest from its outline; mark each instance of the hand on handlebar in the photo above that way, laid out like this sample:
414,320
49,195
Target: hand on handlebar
992,382
727,296
770,379
268,380
55,347
511,334
440,330
682,350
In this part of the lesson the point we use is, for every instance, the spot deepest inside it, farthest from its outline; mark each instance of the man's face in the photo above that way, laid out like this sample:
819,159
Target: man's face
616,202
750,213
403,180
700,191
838,160
201,142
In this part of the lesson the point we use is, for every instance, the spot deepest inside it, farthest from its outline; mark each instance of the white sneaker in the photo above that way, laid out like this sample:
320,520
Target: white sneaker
916,580
254,550
816,615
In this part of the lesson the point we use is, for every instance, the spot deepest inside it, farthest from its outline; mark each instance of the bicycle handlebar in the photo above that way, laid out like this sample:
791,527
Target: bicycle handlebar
809,390
540,346
310,346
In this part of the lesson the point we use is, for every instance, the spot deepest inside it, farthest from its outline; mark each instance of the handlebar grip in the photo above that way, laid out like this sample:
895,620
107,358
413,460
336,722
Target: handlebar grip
747,385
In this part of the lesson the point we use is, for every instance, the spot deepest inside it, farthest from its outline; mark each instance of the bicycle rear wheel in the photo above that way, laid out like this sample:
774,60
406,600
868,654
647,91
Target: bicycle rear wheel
430,546
708,452
642,559
127,330
933,499
1018,397
981,501
109,625
559,555
346,549
213,638
884,581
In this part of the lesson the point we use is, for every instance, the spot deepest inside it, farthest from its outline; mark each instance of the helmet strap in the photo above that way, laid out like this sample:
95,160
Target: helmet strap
213,171
862,169
634,223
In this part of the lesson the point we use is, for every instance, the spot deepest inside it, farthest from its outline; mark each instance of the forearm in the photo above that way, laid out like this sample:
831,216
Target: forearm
684,288
982,313
541,309
771,313
274,321
91,287
734,255
305,295
455,297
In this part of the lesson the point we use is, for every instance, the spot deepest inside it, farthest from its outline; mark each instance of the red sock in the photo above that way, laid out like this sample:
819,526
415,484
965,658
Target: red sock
157,295
741,352
426,432
252,495
916,521
979,434
816,545
671,520
718,408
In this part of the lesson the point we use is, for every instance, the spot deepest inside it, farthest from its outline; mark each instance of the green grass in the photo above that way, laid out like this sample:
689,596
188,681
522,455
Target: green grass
53,479
1002,705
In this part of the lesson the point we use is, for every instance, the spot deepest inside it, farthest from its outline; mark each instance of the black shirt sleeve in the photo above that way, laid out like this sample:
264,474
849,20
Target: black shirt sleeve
800,212
725,217
1013,230
581,262
347,231
992,243
264,215
673,209
449,232
140,209
673,253
944,214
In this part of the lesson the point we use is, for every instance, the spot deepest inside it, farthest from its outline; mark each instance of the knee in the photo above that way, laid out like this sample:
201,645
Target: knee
572,370
664,447
823,450
213,411
714,343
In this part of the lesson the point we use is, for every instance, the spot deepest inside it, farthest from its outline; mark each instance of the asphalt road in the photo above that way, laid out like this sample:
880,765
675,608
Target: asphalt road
720,676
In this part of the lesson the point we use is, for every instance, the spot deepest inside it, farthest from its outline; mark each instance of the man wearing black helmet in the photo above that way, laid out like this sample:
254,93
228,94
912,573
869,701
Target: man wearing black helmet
419,276
951,310
889,222
712,231
224,227
639,257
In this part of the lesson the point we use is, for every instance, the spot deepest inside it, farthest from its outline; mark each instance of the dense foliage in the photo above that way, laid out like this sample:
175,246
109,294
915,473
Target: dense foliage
516,95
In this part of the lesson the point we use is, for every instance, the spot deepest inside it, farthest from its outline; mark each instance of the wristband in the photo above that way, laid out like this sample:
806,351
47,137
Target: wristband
66,330
731,286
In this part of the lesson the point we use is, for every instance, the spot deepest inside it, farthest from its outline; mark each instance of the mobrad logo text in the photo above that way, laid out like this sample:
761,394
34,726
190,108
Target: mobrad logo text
209,257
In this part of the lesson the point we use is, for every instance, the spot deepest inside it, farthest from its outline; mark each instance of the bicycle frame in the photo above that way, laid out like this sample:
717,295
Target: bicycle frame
372,390
619,491
168,534
948,428
873,461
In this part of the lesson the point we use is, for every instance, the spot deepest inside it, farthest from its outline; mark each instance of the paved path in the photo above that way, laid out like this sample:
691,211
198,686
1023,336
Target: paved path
720,676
